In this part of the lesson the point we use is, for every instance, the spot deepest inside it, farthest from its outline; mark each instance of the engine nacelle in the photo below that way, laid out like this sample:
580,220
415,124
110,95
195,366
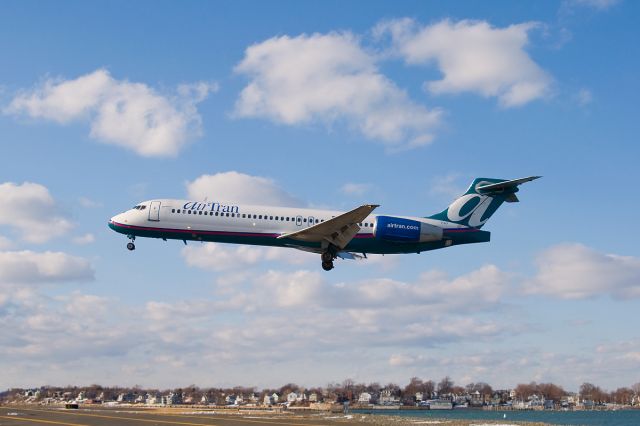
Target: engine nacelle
399,230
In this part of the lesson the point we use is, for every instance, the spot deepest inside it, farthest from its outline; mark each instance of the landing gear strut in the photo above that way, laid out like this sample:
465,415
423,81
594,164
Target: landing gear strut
328,257
130,245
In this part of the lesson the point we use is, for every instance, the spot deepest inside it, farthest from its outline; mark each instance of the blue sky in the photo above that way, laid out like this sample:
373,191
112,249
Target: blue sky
322,104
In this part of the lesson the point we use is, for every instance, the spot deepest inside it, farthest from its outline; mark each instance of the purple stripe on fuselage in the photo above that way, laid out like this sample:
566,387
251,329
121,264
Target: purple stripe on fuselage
202,232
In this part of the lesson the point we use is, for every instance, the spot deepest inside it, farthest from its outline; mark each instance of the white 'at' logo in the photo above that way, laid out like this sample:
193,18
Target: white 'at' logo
475,214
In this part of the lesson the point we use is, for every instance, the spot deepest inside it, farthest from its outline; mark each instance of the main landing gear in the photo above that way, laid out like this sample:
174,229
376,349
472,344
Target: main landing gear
327,258
130,245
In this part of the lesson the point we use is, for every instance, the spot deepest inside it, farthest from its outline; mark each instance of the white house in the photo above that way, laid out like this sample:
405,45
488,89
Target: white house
365,398
268,400
292,397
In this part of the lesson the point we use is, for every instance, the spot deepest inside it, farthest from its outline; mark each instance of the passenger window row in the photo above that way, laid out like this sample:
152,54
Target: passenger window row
250,216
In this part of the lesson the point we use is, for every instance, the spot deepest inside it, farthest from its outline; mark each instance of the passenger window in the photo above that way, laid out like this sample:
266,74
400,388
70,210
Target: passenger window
173,210
243,215
304,220
227,214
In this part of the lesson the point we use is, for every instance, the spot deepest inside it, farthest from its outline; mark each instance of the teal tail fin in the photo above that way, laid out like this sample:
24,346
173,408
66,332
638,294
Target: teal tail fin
481,200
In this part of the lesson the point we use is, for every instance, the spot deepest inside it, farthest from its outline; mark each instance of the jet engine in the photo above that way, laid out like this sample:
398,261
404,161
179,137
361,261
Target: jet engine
397,229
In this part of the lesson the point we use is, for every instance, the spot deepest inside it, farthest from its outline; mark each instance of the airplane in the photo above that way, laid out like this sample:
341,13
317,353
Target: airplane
332,234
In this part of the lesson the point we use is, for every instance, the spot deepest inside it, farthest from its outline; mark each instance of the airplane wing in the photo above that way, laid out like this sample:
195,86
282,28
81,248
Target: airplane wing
337,231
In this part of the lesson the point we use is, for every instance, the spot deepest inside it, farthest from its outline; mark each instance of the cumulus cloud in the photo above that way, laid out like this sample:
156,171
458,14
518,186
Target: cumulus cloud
87,238
474,57
574,271
240,188
221,257
329,78
123,113
46,267
30,209
5,243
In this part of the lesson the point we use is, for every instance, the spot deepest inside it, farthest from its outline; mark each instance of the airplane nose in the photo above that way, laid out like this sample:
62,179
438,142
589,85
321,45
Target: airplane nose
119,218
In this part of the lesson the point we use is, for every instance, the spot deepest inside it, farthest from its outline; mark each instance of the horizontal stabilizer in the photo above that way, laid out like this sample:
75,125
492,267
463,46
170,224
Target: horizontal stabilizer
508,184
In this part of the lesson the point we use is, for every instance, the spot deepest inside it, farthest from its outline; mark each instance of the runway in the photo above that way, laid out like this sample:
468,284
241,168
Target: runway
126,416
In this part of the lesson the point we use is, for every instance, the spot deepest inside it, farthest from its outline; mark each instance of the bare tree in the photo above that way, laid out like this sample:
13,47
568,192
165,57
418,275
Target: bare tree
445,385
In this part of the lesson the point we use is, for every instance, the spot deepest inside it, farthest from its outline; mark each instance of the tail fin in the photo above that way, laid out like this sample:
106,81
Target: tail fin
481,200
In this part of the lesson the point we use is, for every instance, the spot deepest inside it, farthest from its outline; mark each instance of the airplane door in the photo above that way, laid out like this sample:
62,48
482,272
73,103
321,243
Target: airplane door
299,220
154,211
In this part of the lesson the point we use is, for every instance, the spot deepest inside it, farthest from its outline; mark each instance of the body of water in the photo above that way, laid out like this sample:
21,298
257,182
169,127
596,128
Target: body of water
585,418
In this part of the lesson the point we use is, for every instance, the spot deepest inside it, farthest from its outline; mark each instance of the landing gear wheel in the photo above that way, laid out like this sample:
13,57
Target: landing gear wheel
327,266
327,257
131,246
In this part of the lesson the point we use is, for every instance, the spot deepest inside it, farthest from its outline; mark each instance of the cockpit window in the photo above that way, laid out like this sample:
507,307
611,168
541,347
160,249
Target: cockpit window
140,207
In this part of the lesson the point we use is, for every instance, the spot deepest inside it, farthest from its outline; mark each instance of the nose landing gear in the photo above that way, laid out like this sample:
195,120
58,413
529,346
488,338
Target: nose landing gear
130,245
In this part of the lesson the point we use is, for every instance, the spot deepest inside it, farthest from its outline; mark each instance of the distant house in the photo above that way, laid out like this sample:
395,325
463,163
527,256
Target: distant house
313,397
126,398
365,398
172,399
419,396
387,398
275,398
292,397
268,400
204,400
153,399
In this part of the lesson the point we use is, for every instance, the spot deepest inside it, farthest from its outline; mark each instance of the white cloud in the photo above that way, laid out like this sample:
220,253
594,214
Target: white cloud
222,257
574,271
584,97
88,203
448,185
234,187
131,115
402,360
5,243
30,208
595,4
356,189
474,57
327,78
84,239
33,267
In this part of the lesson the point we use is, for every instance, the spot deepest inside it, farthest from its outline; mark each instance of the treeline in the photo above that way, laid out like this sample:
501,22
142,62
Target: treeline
348,390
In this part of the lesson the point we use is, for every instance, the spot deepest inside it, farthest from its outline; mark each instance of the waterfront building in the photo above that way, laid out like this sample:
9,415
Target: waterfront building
365,398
